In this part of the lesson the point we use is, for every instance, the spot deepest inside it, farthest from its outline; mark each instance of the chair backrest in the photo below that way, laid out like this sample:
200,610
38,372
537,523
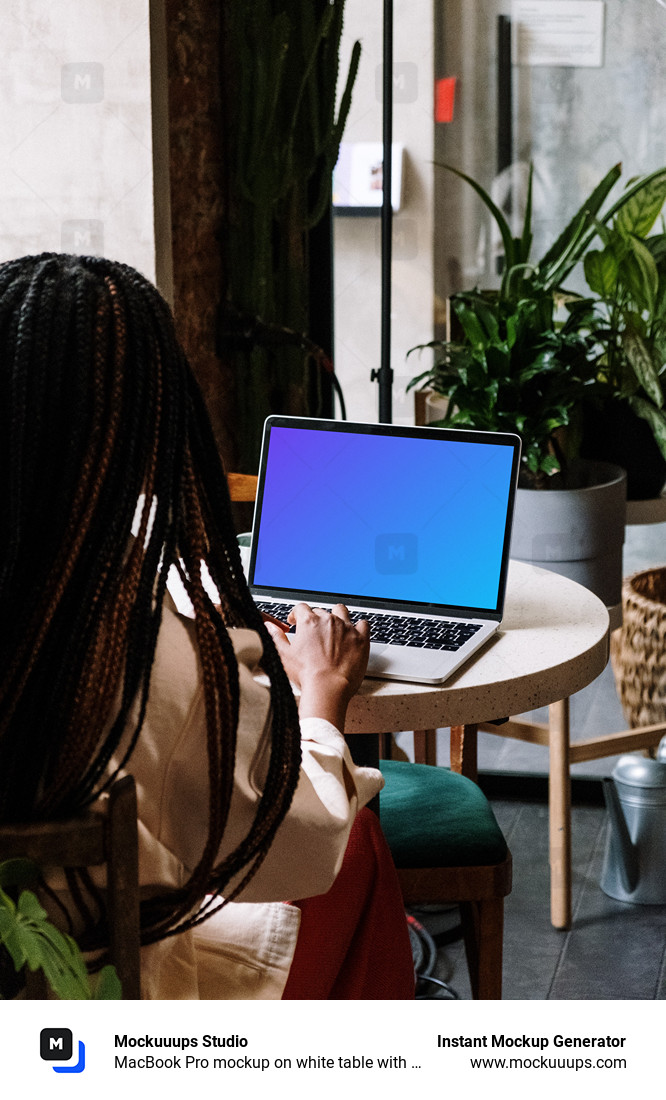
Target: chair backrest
242,487
104,835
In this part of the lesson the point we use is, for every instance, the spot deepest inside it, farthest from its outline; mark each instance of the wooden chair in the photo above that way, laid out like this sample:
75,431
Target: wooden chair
242,487
107,835
449,849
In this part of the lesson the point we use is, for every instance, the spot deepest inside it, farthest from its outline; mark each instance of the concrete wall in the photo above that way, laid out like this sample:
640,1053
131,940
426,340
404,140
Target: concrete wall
76,169
110,143
572,122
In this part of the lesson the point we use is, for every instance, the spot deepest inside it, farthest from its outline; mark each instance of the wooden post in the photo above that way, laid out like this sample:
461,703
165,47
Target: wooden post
560,816
463,750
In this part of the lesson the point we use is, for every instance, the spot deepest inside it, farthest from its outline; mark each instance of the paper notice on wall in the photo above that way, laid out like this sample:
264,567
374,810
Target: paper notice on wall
558,32
358,175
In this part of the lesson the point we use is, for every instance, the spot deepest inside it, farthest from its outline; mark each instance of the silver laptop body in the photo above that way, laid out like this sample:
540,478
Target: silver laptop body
408,526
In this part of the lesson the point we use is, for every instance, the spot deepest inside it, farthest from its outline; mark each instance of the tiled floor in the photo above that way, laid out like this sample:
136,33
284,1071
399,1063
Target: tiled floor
614,950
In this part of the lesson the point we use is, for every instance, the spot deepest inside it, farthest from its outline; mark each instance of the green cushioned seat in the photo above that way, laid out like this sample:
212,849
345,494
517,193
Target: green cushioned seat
432,817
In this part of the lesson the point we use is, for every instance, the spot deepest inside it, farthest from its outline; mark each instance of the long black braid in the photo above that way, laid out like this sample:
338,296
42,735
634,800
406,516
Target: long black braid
99,410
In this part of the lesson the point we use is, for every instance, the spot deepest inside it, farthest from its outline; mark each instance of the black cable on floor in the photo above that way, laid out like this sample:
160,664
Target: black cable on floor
424,952
445,935
449,993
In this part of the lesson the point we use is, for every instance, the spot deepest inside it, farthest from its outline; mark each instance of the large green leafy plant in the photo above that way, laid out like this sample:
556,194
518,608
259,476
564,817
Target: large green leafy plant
522,358
32,941
627,275
514,369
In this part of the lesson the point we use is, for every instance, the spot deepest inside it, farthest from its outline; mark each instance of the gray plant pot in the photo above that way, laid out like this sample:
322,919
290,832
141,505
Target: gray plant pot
577,532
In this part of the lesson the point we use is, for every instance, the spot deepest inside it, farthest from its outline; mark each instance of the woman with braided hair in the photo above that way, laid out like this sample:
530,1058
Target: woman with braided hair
109,482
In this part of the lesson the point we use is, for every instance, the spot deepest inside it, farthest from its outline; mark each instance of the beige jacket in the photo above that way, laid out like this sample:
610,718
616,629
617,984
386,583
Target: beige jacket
245,950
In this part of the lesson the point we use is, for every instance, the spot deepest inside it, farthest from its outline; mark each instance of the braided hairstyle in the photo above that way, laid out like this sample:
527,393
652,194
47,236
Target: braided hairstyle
101,421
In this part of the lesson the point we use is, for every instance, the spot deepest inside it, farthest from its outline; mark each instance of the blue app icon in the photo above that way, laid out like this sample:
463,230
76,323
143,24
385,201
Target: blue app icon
56,1045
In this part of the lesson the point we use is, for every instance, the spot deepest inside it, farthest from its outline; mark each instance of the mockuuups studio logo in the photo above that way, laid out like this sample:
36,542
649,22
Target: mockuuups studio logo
405,239
82,82
396,553
405,82
84,236
56,1044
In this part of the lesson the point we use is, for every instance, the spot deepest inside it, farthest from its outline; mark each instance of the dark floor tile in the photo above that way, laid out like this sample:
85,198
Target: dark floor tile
531,945
661,984
613,954
613,951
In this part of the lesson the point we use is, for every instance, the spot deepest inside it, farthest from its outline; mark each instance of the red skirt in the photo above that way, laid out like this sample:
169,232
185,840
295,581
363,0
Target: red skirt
353,942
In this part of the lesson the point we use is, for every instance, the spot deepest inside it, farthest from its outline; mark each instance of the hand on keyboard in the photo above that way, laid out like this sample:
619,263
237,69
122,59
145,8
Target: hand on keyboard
397,629
326,656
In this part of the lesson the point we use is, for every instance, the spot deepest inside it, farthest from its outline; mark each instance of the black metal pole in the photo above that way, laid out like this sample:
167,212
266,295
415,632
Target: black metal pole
504,107
504,94
385,374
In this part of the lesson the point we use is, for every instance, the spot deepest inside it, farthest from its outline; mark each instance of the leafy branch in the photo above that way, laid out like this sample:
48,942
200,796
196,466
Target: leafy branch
32,941
627,275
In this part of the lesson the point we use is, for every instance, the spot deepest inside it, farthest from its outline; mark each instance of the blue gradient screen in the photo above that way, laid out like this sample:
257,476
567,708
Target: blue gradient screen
384,516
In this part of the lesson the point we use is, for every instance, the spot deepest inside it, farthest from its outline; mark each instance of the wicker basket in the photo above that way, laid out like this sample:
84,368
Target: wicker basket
638,648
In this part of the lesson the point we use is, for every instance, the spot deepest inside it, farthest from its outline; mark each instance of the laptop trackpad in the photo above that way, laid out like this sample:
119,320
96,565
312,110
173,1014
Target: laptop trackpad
380,659
389,662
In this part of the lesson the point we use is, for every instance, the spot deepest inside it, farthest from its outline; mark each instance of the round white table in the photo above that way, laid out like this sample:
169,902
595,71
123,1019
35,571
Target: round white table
553,641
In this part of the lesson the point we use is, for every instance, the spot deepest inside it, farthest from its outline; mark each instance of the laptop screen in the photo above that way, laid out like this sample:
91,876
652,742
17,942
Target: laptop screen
379,513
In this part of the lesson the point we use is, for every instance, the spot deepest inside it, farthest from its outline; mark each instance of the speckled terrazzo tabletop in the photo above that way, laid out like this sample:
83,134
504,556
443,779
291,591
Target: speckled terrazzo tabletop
553,641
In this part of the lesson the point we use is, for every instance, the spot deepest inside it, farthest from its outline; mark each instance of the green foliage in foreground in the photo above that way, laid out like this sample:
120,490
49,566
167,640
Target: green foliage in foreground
31,940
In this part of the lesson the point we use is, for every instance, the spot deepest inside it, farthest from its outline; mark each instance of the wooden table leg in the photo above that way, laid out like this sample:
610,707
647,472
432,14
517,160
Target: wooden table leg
559,800
463,750
425,746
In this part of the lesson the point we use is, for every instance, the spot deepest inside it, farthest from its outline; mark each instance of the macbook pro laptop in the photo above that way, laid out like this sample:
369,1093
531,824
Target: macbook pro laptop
409,527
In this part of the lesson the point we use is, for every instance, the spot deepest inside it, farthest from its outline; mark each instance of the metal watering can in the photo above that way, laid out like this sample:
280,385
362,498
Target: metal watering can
635,862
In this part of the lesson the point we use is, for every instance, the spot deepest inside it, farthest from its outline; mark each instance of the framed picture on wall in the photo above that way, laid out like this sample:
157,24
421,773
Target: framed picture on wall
358,177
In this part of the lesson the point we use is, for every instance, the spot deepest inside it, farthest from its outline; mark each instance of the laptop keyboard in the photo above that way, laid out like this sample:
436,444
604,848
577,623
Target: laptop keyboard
399,630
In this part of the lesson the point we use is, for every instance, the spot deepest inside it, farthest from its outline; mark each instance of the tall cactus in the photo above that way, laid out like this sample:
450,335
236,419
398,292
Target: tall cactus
282,62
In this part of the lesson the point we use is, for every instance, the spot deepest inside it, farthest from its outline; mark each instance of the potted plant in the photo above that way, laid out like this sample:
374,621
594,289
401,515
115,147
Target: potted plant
627,277
523,358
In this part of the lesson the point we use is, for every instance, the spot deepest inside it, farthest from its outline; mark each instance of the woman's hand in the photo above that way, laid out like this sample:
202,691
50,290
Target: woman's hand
326,657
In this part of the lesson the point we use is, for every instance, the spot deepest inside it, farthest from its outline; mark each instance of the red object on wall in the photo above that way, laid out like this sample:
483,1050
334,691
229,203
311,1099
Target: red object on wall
445,93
